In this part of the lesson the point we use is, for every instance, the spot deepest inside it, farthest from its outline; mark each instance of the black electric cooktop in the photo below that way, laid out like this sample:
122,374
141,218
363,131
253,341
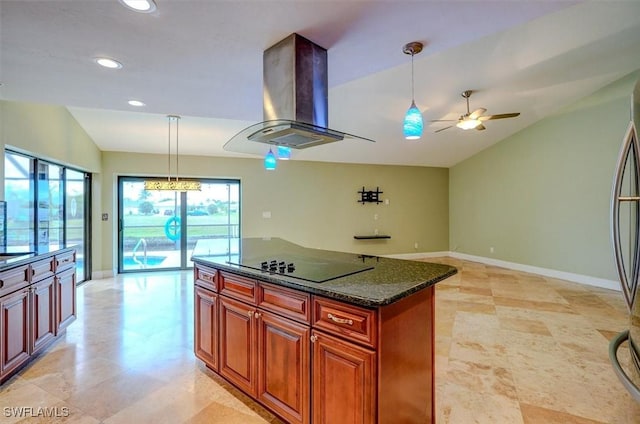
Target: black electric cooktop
303,267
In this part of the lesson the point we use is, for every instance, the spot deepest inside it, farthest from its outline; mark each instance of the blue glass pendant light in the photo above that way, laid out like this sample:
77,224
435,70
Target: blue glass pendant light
284,152
270,161
413,118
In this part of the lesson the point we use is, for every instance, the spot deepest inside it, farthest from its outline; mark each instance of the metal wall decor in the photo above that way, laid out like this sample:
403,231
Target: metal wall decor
370,196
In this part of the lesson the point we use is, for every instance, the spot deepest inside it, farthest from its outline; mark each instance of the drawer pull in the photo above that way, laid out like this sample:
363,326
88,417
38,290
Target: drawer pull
314,338
250,313
340,320
257,315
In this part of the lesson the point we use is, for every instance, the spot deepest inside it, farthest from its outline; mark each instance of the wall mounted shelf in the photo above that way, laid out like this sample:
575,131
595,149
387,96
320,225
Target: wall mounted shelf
372,237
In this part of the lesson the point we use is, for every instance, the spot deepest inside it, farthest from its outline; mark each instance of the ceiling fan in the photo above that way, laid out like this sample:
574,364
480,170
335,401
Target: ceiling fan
473,120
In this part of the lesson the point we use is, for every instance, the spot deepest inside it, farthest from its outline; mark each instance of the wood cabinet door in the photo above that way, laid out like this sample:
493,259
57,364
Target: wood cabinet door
65,299
43,317
14,323
205,338
283,367
237,332
344,382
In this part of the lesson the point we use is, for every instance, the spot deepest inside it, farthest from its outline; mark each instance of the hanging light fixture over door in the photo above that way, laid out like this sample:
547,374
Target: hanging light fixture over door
413,118
172,183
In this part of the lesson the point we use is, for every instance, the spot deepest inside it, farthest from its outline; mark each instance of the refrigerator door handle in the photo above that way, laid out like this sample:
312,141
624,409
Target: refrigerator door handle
622,375
629,147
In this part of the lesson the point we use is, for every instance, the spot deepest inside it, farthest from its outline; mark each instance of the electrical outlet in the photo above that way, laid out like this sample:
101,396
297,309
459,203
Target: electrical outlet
491,249
386,201
375,216
415,245
266,214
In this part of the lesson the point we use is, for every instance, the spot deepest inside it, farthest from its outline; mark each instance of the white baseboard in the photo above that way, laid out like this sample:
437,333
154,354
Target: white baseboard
561,275
421,255
99,275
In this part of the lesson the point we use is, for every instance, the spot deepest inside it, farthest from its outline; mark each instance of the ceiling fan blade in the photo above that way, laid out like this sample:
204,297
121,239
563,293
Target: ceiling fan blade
476,113
499,116
442,129
481,127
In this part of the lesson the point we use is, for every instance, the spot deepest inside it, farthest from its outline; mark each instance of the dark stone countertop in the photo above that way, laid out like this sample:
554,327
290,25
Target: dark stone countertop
15,259
389,280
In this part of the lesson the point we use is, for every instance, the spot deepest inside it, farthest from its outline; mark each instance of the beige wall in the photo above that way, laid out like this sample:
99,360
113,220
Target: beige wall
311,203
541,197
49,132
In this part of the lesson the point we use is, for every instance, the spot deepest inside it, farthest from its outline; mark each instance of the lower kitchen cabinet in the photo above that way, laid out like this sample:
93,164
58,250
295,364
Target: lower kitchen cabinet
65,299
43,318
37,303
14,323
344,383
283,366
238,344
205,342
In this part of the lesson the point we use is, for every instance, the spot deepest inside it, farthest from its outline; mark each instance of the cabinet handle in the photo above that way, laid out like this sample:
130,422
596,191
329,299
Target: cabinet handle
250,313
314,338
257,314
340,320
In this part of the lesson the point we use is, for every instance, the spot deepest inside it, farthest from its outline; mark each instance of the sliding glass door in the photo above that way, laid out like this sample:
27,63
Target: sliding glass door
158,229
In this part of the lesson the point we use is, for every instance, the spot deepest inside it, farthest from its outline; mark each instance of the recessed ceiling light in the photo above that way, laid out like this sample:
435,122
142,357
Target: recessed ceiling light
144,6
108,63
136,103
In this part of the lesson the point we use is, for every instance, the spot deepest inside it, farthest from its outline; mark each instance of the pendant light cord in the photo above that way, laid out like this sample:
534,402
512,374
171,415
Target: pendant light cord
412,90
177,119
169,151
177,150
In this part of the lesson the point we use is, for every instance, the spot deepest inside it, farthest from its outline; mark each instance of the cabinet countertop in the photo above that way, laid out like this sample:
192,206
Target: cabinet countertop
389,280
17,259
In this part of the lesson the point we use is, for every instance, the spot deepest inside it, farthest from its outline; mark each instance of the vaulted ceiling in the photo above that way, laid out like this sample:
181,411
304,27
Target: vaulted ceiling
203,60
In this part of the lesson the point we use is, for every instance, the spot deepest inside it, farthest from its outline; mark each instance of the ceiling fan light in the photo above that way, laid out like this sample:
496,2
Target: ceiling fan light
468,124
270,161
143,6
413,123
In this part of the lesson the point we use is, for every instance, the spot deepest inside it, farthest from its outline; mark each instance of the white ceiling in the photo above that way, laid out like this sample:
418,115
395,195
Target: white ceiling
203,60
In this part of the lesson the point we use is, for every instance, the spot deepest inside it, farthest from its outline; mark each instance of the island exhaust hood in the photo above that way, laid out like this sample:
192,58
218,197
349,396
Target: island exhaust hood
295,100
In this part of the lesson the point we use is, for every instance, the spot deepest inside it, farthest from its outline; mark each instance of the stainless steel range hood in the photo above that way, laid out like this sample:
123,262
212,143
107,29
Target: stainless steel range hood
295,100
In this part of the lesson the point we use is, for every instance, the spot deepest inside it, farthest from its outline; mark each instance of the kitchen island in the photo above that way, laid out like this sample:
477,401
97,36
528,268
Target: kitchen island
319,336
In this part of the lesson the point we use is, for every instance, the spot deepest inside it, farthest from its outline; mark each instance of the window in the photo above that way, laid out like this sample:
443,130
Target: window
46,209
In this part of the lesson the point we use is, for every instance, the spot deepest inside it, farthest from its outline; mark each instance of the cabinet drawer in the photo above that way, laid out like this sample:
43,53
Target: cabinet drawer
239,287
206,277
14,279
349,321
289,303
65,260
42,269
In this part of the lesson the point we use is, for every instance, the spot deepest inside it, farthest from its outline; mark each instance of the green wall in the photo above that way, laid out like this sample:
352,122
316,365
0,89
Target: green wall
541,197
311,203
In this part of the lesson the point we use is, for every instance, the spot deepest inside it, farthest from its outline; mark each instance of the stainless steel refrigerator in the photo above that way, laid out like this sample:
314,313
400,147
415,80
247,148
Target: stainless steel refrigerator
625,232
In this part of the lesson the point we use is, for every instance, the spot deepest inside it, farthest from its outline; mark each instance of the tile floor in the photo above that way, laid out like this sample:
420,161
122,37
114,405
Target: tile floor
511,347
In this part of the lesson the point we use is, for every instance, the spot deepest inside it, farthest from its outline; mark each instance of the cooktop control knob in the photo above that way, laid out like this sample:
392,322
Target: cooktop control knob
264,265
291,267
